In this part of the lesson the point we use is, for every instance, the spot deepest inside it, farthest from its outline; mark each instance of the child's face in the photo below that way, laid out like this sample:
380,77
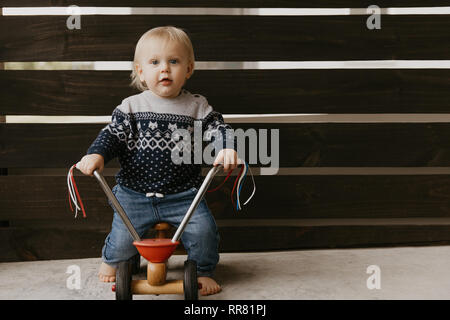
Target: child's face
159,62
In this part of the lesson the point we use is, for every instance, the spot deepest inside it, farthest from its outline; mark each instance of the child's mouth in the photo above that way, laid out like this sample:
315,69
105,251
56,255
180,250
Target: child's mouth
165,82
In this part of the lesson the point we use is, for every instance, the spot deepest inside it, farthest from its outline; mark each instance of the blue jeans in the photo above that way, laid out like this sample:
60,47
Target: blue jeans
200,237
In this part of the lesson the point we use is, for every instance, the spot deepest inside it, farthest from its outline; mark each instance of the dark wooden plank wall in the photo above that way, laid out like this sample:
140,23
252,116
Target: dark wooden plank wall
301,145
250,91
315,197
228,3
288,211
259,38
319,212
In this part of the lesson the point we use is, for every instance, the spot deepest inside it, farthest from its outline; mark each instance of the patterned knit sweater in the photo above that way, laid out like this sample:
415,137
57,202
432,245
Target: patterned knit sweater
140,135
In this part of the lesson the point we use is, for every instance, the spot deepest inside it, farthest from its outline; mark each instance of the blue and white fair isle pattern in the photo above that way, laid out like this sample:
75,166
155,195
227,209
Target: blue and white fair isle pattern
144,144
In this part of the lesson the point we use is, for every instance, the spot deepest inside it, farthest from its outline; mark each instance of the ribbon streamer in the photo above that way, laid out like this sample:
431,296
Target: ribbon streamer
73,193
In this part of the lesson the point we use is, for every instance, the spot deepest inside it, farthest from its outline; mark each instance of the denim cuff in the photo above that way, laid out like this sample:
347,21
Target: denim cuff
209,274
111,264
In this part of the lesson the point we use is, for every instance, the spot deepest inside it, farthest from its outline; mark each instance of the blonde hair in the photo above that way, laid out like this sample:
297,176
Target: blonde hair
166,33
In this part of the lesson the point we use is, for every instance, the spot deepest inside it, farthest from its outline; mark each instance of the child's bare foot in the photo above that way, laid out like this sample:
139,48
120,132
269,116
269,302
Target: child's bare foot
208,286
107,273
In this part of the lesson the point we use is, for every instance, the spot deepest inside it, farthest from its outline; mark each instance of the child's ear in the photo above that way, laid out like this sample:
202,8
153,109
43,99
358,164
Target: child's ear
138,70
190,70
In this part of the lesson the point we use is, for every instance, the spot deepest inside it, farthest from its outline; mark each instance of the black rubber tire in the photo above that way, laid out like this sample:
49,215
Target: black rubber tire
135,264
123,281
190,284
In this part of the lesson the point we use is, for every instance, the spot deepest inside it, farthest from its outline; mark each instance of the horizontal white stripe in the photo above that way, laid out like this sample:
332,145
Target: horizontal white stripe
25,11
58,119
345,171
238,65
330,222
308,171
265,118
340,118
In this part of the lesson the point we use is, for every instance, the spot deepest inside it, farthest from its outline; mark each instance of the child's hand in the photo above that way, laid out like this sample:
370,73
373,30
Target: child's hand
227,157
91,162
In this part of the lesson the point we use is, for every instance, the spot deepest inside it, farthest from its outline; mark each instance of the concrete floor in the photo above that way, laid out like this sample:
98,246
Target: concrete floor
405,273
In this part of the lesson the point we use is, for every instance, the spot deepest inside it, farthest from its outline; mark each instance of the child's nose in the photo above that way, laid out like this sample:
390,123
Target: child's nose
165,66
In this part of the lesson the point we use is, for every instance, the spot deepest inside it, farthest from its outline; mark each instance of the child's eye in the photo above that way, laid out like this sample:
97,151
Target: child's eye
174,61
154,61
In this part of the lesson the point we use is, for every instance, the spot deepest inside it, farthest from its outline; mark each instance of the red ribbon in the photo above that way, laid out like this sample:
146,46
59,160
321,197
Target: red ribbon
77,193
229,173
235,182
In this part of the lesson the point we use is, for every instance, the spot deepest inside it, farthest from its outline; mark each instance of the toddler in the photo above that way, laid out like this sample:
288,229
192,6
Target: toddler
150,186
